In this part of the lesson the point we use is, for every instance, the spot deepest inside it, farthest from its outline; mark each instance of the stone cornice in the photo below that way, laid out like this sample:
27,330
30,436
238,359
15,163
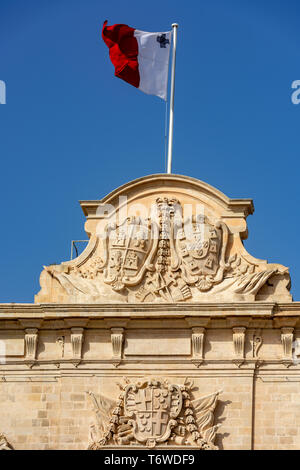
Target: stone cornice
270,310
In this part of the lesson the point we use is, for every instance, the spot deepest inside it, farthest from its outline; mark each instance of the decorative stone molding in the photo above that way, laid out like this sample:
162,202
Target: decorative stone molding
197,322
284,321
77,342
287,336
198,336
239,344
30,323
78,322
31,342
117,339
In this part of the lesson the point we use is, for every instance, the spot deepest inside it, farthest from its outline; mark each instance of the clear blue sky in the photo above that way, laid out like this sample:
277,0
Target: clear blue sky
70,130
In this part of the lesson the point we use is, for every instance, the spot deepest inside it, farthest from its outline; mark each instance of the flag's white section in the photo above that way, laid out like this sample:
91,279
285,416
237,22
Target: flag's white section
153,59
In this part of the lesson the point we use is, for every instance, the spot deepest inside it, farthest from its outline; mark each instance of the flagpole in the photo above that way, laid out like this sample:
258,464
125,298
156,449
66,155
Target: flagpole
171,118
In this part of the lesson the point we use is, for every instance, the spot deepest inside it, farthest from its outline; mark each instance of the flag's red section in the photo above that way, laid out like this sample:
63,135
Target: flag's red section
123,51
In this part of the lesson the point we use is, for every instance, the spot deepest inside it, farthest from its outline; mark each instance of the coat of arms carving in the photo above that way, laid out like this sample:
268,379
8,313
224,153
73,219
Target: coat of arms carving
129,250
202,252
164,257
165,254
152,413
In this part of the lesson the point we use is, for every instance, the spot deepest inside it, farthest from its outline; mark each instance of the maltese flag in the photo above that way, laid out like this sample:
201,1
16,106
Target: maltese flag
139,58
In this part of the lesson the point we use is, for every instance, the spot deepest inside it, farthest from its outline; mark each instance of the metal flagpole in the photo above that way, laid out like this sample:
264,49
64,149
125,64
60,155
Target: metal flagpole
171,119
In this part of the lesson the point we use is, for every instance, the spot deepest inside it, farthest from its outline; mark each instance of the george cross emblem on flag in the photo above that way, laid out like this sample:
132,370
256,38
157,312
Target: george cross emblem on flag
162,40
140,58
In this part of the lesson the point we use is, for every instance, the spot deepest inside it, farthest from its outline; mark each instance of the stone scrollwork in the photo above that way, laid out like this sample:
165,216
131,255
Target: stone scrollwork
60,341
4,444
257,343
245,278
152,413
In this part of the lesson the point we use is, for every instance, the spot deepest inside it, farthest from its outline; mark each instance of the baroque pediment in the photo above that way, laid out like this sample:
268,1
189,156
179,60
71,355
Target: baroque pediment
165,239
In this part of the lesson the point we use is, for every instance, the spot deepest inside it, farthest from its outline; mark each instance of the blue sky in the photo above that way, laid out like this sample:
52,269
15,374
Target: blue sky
70,130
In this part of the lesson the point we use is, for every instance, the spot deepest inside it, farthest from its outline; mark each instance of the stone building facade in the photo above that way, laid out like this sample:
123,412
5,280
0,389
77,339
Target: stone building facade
163,333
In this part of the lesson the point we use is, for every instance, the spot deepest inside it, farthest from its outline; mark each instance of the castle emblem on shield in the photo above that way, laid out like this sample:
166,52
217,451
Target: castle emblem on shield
130,247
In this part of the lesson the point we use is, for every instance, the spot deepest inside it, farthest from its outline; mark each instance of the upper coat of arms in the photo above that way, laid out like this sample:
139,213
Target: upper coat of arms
166,257
168,254
129,250
201,247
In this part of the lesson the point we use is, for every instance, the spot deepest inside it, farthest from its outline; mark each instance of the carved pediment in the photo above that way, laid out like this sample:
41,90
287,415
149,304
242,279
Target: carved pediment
154,412
165,239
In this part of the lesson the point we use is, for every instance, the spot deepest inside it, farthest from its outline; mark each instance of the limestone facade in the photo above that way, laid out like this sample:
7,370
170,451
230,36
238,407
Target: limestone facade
163,332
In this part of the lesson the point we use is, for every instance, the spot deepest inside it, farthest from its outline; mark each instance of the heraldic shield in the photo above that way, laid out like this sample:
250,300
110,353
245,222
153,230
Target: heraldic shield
201,245
129,251
153,410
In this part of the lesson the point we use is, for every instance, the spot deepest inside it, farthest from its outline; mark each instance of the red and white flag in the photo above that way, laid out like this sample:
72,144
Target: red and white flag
139,58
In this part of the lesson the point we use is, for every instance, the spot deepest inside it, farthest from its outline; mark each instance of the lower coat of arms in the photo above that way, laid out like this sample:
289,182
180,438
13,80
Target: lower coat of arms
154,412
